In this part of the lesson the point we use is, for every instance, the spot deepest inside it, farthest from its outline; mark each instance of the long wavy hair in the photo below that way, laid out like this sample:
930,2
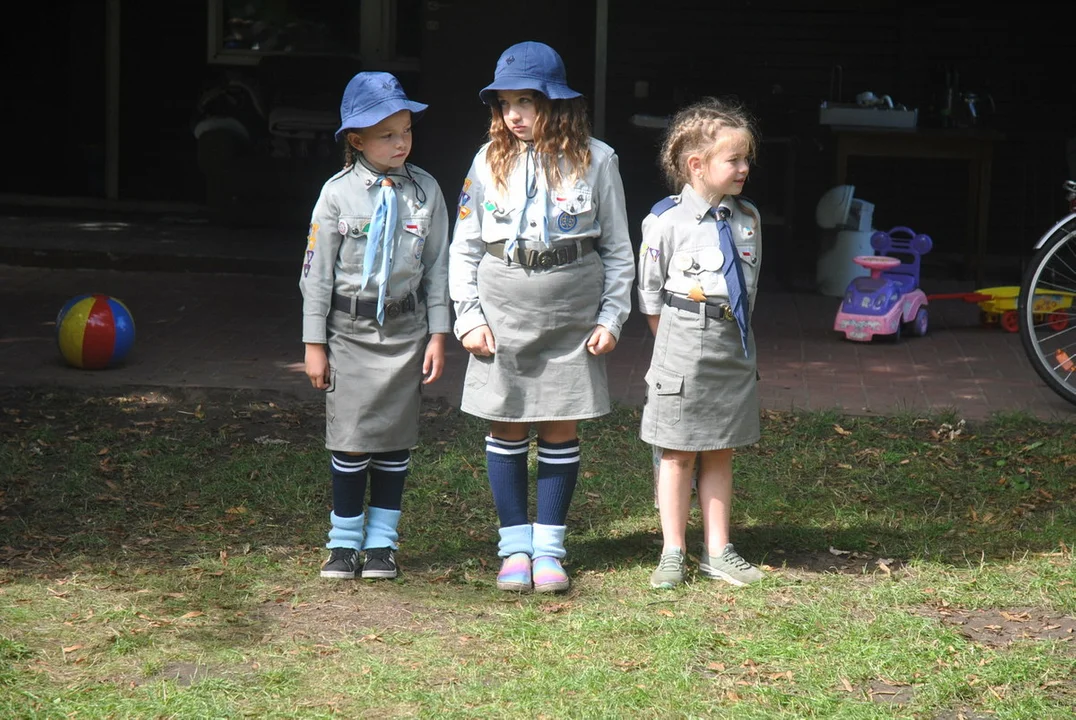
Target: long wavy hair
561,131
694,130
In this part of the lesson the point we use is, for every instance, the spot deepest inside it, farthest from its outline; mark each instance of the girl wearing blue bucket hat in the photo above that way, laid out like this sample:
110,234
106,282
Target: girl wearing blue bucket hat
375,314
540,271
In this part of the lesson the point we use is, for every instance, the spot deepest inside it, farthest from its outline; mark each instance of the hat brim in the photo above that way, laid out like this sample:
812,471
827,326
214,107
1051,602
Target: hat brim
373,115
553,91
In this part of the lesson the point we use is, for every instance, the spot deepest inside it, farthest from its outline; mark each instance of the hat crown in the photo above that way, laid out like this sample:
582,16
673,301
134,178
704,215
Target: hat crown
531,59
369,88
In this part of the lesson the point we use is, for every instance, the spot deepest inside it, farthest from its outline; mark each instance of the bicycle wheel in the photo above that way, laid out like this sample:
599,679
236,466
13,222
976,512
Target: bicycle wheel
1048,296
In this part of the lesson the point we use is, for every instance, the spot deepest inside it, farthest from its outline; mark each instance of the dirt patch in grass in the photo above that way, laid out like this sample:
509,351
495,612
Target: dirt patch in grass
357,612
997,628
185,674
243,414
804,564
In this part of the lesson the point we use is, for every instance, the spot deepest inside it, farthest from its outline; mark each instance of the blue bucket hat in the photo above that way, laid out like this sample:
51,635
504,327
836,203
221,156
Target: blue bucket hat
529,66
371,97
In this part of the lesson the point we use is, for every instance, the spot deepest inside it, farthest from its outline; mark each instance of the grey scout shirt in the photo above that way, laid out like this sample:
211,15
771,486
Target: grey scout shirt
592,207
337,241
680,250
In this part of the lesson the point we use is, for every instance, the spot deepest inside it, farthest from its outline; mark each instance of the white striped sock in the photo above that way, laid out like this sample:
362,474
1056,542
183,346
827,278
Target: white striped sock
347,465
507,447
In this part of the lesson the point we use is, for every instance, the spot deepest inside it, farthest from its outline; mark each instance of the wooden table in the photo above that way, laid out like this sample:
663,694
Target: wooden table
973,145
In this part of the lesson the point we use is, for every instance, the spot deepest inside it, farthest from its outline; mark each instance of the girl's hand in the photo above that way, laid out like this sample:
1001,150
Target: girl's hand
479,341
601,341
317,366
434,362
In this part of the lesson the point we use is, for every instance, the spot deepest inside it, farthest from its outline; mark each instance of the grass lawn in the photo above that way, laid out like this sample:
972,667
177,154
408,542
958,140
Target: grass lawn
159,556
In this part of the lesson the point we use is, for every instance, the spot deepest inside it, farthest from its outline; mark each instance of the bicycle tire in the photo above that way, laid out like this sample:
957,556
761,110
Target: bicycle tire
1052,271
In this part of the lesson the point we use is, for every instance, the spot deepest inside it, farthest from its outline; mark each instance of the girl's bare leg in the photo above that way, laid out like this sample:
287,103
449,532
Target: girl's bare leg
509,430
715,498
674,497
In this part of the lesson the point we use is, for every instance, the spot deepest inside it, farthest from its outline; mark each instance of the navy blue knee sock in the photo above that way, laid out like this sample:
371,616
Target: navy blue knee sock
349,483
558,470
506,463
388,470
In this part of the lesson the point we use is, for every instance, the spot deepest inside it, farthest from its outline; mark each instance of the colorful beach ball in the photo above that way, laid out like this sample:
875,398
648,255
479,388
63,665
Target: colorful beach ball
94,331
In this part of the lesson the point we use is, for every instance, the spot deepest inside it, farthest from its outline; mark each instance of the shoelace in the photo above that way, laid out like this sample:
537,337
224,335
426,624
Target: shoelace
733,558
669,561
341,554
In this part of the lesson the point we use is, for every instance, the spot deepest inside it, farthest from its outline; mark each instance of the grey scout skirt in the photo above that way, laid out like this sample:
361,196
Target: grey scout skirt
541,319
702,393
372,404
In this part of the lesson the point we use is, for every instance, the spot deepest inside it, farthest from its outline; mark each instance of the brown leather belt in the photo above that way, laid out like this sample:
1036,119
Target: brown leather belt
558,255
718,312
368,308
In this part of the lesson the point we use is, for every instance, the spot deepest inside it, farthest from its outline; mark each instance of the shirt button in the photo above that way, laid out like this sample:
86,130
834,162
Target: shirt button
698,217
658,386
534,224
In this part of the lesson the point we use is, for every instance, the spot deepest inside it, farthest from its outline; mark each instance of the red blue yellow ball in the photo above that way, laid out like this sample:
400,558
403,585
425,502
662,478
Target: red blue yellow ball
94,331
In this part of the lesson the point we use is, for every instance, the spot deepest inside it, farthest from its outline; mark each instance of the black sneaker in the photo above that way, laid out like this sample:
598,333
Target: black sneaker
380,563
341,563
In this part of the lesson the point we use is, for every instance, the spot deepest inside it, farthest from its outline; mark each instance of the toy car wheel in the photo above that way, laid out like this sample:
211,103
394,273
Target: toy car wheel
1010,321
1057,321
919,324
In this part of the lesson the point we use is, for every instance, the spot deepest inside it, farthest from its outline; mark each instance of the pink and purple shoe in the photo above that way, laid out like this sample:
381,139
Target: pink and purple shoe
549,575
515,574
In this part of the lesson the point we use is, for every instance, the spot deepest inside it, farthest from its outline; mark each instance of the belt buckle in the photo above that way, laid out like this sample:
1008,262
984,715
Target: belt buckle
726,312
393,308
562,255
546,258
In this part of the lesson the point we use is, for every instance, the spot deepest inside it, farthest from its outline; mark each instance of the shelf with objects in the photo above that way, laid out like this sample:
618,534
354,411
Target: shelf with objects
265,118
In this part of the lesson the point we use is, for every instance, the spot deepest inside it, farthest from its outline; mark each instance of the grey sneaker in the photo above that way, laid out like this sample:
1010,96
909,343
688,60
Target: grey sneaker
380,563
670,570
341,563
729,566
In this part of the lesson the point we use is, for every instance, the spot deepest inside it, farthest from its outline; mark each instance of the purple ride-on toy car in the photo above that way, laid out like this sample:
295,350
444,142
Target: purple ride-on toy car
890,298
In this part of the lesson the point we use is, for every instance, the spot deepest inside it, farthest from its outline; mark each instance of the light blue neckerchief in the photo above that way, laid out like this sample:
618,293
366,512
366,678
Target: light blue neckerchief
382,235
535,191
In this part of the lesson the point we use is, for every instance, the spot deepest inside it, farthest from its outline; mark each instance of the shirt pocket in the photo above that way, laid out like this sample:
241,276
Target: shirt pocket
415,231
749,261
500,218
666,393
574,210
354,230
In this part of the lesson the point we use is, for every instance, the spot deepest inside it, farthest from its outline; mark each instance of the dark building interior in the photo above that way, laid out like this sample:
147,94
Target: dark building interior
983,84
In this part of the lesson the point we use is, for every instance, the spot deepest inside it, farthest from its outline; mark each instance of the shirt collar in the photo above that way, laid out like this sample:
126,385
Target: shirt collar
696,204
372,179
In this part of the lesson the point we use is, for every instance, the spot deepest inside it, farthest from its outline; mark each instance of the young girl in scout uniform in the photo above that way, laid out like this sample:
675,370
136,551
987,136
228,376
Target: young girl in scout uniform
375,314
698,274
540,272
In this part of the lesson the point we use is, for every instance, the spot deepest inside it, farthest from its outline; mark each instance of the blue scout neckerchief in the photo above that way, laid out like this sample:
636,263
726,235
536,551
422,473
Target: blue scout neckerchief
733,272
382,234
535,191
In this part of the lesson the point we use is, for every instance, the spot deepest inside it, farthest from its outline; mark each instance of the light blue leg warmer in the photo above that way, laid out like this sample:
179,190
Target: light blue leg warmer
549,541
345,531
381,528
515,539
